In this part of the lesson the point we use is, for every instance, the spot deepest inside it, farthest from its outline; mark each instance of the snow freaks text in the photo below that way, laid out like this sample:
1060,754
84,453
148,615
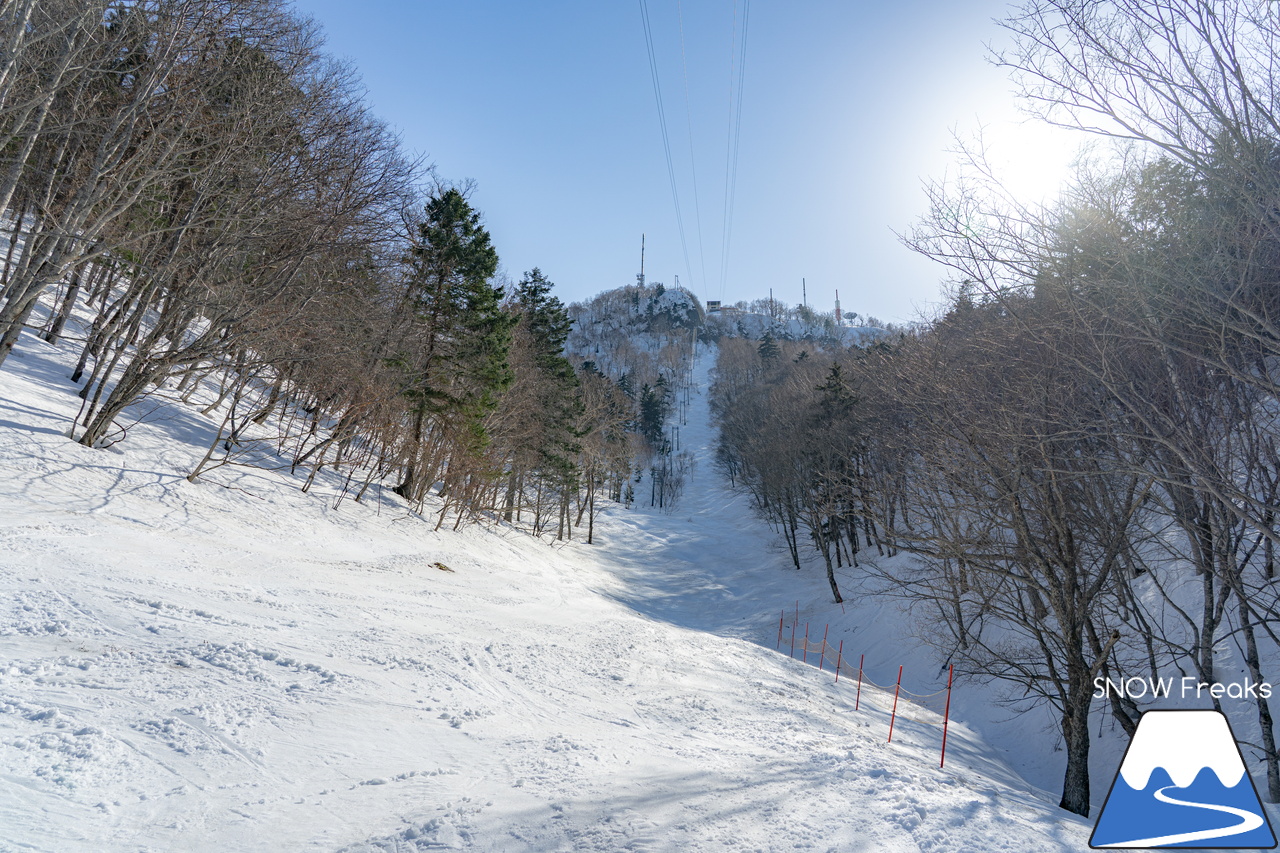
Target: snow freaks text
1187,687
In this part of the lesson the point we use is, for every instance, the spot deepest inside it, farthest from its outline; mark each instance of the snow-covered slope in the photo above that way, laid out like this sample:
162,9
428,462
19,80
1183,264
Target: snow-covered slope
234,665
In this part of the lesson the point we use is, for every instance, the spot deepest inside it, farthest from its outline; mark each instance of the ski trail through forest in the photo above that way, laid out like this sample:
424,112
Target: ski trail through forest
708,563
236,665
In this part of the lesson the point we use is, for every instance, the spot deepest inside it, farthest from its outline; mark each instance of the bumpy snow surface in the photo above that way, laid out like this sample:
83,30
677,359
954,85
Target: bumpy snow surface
233,665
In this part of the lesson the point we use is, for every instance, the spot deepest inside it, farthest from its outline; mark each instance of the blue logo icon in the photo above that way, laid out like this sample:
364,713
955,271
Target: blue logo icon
1183,783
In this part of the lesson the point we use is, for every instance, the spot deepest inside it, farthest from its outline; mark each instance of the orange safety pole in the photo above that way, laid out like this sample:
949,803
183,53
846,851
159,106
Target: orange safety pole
839,658
894,715
793,639
823,656
805,659
780,621
946,716
858,696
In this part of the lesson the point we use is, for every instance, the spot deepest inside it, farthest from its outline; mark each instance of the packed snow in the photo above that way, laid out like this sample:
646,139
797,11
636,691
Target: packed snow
235,665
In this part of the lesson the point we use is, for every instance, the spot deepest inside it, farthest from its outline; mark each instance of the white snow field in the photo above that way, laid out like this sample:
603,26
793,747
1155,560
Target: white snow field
234,665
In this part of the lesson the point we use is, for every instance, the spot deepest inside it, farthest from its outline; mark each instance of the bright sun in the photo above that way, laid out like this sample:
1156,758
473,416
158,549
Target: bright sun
1031,159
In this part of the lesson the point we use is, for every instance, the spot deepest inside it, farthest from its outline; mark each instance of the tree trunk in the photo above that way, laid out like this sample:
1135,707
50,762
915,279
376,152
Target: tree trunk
8,255
10,338
409,485
831,579
1251,660
68,305
1075,732
509,508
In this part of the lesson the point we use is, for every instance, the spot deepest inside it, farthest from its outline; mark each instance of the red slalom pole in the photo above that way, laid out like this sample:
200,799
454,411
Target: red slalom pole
858,696
894,715
780,621
805,659
839,658
793,639
946,716
823,656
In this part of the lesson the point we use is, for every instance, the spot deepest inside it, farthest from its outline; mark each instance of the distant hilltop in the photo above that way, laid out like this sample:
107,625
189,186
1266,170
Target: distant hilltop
797,325
638,310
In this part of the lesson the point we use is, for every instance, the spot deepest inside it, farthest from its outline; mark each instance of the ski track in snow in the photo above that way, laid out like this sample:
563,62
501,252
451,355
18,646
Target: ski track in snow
186,667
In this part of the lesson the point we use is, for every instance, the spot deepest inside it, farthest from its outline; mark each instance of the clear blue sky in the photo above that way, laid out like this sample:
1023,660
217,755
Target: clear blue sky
548,105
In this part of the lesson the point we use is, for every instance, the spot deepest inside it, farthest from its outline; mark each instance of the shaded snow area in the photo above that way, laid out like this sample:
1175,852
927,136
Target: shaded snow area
234,665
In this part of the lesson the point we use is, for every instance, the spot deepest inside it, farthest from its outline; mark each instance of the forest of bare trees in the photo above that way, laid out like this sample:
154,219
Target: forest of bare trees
1080,455
198,198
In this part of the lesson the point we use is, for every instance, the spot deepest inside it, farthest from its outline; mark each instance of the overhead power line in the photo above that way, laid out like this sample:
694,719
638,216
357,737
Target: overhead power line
738,51
693,163
662,124
737,78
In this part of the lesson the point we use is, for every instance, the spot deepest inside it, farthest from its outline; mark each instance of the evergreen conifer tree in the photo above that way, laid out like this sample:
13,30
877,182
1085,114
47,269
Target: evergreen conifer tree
546,322
769,349
557,410
462,336
653,412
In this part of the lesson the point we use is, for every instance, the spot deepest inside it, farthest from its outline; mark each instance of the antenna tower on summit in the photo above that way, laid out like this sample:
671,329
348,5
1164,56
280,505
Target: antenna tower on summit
640,277
838,320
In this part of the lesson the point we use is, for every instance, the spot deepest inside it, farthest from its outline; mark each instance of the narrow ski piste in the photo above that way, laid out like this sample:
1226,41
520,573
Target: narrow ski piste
236,665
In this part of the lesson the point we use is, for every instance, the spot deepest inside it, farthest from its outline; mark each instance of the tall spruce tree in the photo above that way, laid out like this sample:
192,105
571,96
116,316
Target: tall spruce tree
462,337
547,407
654,407
548,326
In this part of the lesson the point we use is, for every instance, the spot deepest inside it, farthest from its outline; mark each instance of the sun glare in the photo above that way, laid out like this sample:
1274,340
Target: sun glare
1032,161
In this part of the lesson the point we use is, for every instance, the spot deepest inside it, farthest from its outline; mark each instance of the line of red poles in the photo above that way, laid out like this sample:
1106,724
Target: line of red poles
946,715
